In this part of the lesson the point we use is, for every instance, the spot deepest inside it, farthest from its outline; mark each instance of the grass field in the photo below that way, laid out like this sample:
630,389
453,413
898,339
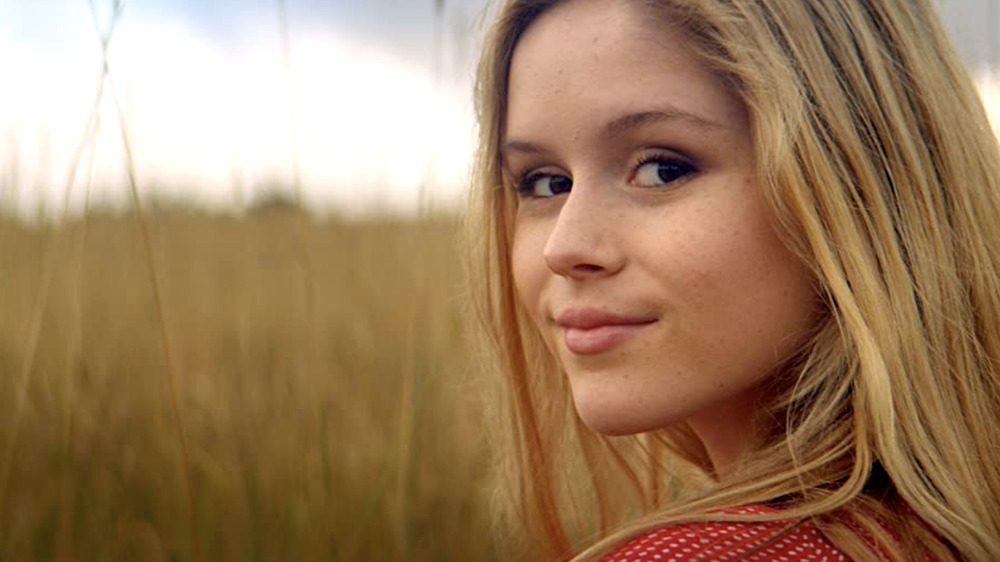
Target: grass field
306,395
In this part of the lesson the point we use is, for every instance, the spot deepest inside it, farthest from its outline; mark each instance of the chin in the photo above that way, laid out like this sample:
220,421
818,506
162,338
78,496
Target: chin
608,418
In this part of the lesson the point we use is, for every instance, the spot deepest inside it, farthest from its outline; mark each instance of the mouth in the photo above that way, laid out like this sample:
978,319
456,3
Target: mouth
590,332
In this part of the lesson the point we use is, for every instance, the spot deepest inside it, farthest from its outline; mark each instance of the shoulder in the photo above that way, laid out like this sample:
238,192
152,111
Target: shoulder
725,540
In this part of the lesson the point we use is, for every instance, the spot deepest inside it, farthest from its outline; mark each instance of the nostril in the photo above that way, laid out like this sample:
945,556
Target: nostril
587,268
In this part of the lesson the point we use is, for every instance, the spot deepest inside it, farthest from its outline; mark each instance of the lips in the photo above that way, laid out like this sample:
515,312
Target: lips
589,331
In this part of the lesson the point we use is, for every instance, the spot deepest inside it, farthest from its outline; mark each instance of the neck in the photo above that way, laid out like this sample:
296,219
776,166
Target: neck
726,431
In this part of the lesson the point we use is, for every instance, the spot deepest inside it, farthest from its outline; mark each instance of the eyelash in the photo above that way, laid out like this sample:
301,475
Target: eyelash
686,166
525,185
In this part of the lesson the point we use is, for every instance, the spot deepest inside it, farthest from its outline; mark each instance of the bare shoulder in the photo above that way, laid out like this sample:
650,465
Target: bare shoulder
724,540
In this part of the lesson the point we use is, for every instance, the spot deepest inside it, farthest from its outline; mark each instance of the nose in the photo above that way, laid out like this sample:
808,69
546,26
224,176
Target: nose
585,239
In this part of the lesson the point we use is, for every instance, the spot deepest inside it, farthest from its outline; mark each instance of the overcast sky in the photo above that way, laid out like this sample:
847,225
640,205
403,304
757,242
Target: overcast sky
202,85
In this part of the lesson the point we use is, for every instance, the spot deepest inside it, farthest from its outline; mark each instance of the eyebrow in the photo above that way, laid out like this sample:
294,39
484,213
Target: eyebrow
624,124
634,121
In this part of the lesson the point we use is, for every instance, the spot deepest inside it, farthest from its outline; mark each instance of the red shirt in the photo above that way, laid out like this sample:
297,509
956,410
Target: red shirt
758,541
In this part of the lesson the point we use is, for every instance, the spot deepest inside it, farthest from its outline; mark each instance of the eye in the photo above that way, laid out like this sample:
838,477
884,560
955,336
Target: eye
660,170
541,185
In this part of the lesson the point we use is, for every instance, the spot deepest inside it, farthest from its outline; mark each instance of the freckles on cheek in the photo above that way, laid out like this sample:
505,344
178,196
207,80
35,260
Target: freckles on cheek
701,267
706,249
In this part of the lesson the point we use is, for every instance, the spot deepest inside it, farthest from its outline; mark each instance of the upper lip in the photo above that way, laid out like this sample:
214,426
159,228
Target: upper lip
589,318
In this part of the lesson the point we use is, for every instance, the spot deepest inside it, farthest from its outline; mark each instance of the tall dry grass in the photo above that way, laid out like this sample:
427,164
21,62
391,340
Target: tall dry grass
329,413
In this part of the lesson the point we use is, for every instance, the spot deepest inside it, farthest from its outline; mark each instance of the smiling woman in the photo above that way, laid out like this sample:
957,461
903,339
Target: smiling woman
762,235
650,324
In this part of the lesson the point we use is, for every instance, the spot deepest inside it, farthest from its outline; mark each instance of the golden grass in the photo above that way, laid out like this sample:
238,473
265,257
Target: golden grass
323,389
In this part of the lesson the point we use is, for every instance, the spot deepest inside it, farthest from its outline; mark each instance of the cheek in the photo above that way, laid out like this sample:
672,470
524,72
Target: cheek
528,265
701,255
779,298
739,293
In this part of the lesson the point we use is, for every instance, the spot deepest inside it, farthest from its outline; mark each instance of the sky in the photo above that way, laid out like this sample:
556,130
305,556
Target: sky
379,111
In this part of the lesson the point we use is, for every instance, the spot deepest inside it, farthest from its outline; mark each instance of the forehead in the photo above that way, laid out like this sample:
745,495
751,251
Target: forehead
595,23
608,57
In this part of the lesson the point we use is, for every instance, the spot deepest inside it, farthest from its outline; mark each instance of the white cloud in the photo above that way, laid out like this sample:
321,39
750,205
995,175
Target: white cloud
202,119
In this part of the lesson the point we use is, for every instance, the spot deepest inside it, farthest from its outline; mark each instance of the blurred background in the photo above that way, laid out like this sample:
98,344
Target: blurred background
232,320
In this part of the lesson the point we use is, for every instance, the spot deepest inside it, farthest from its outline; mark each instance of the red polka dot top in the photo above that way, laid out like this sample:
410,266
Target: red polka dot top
716,541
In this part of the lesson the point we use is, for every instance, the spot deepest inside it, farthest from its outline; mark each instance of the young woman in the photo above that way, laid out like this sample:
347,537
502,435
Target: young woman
759,241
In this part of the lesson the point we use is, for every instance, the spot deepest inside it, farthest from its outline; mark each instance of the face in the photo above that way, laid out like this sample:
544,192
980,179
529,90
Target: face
643,249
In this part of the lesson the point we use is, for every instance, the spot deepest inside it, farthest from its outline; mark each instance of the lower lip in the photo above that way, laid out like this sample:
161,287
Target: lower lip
600,339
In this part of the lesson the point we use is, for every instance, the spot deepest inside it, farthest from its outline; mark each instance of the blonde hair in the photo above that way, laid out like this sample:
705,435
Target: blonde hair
881,171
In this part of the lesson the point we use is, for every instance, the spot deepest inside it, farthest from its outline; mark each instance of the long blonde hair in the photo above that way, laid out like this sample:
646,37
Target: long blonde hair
881,171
